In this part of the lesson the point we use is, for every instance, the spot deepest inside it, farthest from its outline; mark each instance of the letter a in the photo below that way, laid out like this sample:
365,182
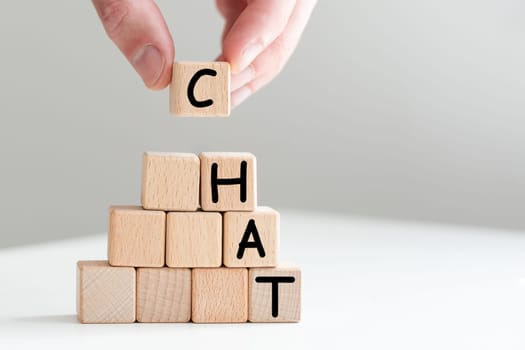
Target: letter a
251,229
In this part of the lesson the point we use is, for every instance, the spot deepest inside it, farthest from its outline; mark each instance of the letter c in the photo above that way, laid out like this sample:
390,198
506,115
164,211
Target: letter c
191,88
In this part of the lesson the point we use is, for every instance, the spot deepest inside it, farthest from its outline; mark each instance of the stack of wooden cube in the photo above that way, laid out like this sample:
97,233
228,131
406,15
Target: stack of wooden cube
198,249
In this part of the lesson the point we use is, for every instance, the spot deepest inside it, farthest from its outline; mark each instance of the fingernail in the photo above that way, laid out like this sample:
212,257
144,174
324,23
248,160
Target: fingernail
248,55
149,63
239,95
242,78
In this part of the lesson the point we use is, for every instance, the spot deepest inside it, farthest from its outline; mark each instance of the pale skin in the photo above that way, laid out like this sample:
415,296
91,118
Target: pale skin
258,39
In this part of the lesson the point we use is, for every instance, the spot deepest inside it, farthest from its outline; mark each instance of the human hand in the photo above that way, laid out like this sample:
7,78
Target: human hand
258,39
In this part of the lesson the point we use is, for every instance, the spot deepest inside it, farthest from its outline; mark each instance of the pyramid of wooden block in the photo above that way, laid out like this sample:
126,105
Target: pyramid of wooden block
197,249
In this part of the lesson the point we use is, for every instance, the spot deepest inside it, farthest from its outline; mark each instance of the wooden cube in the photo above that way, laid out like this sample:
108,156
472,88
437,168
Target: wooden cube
136,237
228,181
105,294
170,181
275,294
219,295
163,295
200,89
251,239
194,239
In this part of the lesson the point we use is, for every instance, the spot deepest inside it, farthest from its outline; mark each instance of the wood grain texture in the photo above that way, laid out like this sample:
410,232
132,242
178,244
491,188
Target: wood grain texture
170,181
228,167
136,237
289,295
163,295
219,295
105,294
194,239
267,222
215,88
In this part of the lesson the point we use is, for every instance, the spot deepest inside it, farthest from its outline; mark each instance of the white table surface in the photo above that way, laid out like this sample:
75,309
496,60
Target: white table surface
368,284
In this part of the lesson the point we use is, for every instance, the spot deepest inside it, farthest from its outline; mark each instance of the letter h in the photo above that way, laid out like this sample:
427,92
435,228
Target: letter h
216,182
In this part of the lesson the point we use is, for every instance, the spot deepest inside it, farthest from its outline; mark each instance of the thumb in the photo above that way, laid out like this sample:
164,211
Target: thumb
140,32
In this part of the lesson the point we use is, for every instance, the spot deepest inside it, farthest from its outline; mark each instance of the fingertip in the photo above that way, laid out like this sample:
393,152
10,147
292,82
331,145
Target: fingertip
153,66
231,57
162,82
140,32
242,78
240,52
261,22
240,95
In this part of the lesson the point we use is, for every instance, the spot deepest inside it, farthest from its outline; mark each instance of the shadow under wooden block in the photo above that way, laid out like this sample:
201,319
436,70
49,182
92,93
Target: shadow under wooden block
219,295
200,89
163,295
228,181
275,294
170,181
251,239
136,237
105,294
194,239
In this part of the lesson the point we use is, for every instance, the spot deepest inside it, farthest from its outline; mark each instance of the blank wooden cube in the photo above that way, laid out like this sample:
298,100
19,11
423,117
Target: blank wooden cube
200,89
170,181
228,181
136,237
105,294
194,239
251,239
219,295
275,294
163,295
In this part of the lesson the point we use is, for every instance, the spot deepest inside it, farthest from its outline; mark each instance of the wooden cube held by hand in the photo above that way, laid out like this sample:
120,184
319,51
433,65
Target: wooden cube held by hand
200,89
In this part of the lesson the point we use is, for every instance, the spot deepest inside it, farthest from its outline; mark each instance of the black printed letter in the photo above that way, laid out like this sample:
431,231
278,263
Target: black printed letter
275,280
191,88
245,242
215,182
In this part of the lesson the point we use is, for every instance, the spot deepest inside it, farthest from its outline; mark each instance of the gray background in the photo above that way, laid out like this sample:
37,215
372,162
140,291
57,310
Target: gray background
410,109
